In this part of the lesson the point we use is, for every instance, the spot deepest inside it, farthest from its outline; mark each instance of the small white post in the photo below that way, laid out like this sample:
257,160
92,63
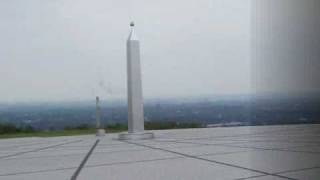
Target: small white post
100,130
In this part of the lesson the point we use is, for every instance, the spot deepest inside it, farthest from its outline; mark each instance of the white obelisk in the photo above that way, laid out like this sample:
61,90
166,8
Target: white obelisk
135,99
100,130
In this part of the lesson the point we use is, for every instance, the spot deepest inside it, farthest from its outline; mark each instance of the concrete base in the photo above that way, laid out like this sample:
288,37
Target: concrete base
101,132
136,136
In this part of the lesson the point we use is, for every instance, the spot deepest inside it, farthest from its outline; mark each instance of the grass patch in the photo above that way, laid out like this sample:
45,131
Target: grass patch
74,132
11,131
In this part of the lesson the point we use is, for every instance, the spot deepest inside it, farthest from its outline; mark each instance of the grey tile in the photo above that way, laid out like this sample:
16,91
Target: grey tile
168,169
270,161
312,174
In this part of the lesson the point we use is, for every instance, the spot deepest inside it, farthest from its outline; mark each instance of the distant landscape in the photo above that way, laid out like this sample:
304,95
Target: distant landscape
162,114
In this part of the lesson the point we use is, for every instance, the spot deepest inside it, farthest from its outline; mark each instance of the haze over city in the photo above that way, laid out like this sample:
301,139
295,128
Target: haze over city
75,50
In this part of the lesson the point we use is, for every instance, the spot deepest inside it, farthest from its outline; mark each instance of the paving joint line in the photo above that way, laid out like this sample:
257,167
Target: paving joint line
22,145
38,149
89,166
274,149
73,154
282,172
208,160
247,147
38,171
115,163
130,162
252,141
241,135
248,141
83,162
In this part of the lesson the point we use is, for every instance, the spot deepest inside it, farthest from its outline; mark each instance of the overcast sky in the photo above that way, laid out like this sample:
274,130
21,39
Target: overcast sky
75,49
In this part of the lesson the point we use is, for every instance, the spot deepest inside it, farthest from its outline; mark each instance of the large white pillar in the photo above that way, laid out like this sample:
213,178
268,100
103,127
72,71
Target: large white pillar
135,99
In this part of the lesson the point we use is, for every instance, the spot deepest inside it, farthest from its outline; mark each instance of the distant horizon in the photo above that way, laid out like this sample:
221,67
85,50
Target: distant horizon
175,98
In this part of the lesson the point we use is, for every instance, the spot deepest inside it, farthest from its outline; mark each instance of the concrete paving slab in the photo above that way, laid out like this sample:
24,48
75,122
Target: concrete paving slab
270,161
51,175
266,178
128,156
208,150
309,148
312,174
165,169
17,165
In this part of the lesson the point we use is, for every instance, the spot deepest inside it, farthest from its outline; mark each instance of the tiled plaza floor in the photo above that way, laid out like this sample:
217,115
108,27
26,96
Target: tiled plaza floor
254,153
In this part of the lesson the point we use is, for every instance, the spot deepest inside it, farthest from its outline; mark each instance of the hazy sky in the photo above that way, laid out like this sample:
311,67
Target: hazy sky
75,49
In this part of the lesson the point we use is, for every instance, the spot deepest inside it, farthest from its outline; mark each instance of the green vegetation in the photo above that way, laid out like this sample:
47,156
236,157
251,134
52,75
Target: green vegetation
169,125
117,127
49,133
12,131
155,125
